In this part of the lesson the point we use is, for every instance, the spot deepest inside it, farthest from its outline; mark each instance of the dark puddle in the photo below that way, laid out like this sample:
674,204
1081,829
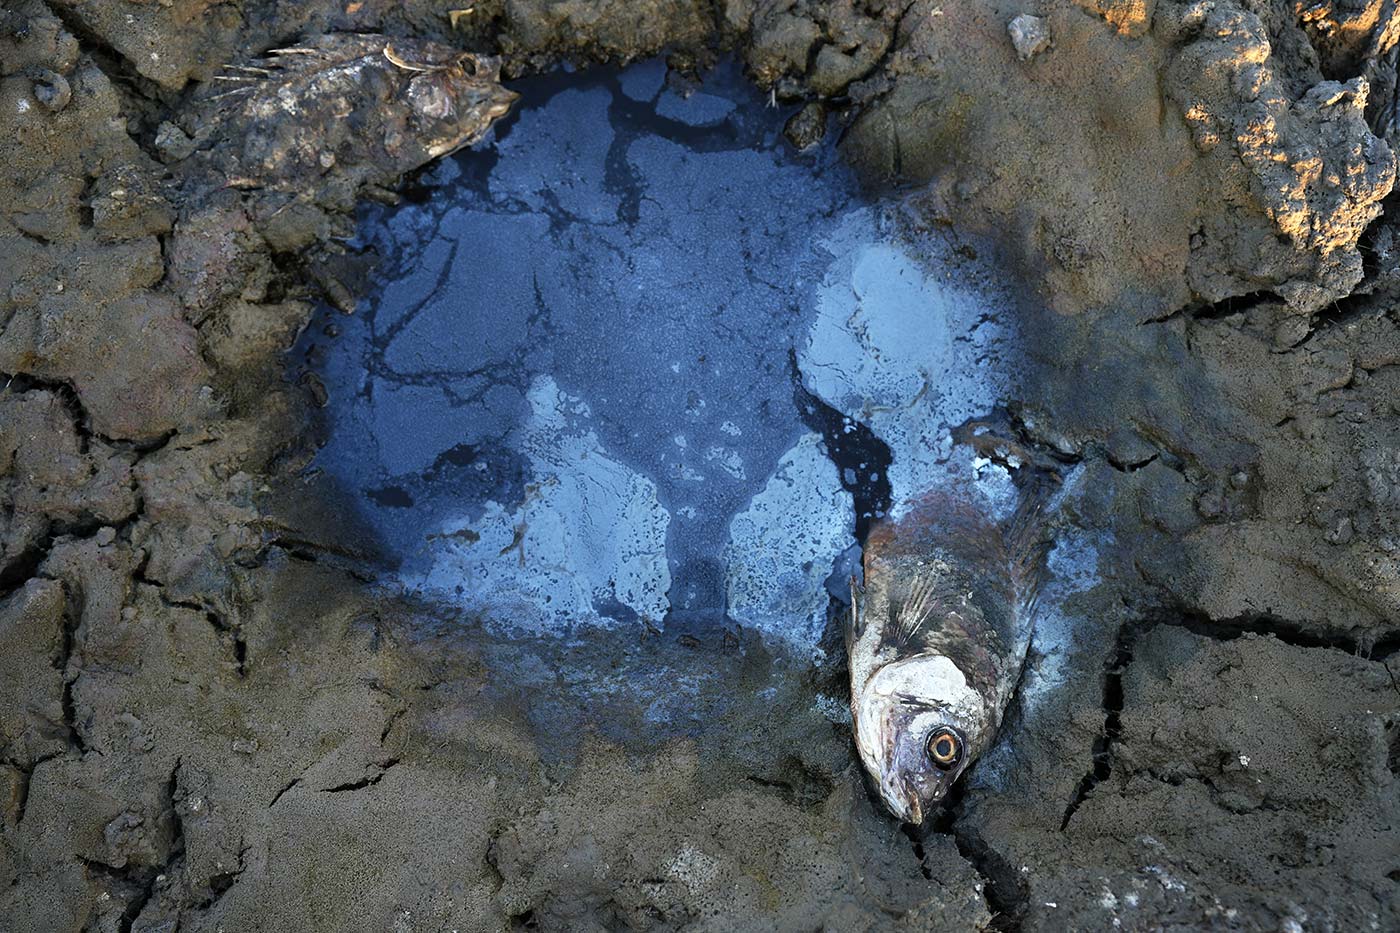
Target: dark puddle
581,351
637,367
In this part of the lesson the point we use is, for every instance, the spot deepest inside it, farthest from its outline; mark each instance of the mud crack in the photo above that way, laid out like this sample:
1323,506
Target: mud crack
1102,761
177,851
278,796
227,631
916,842
1289,631
139,882
26,778
1002,891
220,884
67,393
363,782
74,736
1217,310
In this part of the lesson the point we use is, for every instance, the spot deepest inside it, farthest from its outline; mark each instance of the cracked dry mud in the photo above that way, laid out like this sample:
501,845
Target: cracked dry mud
215,716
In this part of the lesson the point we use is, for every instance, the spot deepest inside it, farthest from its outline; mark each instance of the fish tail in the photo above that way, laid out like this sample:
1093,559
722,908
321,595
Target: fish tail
1027,536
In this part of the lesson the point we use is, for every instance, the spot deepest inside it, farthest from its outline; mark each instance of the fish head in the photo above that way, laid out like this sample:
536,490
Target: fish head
916,778
917,728
454,102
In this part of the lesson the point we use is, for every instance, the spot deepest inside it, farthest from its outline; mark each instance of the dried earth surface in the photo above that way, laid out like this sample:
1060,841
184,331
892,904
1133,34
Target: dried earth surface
209,720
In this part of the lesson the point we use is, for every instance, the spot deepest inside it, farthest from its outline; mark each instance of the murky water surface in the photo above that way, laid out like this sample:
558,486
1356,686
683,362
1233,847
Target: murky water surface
639,362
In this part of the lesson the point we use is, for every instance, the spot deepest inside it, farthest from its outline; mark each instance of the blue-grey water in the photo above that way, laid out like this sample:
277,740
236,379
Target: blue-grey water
637,360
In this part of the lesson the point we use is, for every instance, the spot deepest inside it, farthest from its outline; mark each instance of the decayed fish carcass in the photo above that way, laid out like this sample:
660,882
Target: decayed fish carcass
350,100
937,638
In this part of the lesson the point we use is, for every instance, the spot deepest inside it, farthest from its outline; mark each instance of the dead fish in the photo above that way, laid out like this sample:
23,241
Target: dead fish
372,104
937,639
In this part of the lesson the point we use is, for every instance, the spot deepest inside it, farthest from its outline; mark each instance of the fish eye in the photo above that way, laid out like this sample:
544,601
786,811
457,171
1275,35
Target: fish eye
944,748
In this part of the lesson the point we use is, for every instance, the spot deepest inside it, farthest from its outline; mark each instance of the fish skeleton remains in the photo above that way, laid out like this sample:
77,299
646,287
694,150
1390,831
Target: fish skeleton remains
937,639
373,105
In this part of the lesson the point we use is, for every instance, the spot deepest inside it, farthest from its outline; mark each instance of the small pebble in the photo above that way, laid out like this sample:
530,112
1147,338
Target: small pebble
1030,35
807,126
51,89
1342,531
172,143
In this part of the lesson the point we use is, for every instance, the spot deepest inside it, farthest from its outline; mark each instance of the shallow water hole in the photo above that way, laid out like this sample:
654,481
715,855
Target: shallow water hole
636,366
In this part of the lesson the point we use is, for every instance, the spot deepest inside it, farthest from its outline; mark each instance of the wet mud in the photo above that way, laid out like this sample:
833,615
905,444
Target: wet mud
306,318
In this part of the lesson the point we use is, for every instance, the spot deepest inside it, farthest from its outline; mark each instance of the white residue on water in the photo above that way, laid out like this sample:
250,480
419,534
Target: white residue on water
590,534
1073,565
781,548
835,709
911,352
900,348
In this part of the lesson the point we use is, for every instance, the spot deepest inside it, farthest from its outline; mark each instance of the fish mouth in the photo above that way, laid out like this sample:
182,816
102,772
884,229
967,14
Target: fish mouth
903,802
915,815
504,100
